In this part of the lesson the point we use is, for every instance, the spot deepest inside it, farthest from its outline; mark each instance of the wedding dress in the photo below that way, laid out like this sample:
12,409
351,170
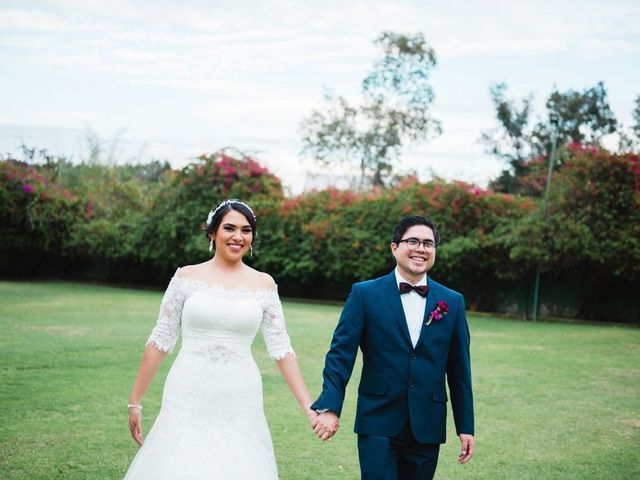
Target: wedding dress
211,423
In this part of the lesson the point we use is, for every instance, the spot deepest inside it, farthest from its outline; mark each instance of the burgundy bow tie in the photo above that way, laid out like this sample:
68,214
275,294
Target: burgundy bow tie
407,287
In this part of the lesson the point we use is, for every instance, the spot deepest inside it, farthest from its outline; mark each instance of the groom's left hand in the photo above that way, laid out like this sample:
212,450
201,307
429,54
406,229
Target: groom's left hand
467,447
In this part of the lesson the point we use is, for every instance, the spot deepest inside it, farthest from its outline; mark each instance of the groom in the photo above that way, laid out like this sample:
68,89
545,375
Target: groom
412,332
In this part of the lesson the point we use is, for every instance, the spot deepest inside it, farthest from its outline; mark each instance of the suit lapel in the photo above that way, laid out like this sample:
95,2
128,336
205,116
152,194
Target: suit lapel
393,297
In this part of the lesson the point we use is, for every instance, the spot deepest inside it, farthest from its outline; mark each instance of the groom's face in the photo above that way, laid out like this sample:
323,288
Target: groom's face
413,263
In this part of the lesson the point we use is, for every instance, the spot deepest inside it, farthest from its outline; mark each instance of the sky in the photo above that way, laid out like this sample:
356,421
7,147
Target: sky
172,80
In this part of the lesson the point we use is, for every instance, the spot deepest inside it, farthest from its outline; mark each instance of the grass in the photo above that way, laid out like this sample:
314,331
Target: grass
553,400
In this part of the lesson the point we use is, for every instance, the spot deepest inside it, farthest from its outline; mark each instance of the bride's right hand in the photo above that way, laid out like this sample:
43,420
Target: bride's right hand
135,425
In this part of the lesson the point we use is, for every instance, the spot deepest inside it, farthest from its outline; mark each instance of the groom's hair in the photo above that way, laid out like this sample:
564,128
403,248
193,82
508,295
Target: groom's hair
407,222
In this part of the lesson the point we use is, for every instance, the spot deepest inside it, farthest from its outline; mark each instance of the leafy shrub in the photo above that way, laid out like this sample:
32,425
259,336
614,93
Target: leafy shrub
37,215
137,224
593,222
331,238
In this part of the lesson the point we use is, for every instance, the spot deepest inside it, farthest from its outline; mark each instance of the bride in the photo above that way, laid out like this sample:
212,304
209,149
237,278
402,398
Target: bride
211,423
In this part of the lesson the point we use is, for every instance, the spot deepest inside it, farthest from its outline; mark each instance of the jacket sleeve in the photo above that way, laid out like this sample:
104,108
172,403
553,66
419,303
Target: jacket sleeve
341,357
459,373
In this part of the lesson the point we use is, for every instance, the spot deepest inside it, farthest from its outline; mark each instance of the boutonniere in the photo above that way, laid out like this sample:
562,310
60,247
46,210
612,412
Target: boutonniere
440,311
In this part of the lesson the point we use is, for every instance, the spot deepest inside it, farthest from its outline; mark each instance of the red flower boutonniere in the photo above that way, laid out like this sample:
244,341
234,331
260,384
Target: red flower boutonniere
440,311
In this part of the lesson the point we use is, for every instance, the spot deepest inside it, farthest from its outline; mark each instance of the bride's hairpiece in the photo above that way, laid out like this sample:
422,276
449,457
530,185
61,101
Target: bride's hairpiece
225,203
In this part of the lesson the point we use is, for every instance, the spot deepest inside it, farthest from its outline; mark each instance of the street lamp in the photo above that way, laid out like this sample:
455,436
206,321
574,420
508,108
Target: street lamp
554,120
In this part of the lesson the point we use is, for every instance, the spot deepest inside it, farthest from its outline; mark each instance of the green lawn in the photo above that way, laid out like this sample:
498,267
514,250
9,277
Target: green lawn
553,401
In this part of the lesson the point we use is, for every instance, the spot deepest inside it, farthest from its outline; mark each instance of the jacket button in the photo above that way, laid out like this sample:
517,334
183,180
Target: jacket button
413,356
412,384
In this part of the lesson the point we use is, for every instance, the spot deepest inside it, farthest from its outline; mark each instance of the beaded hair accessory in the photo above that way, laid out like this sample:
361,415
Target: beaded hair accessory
230,201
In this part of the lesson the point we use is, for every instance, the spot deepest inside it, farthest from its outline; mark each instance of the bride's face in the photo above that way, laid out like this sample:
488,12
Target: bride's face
233,236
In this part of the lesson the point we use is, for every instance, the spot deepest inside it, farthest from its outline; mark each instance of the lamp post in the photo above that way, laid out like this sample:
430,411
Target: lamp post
553,119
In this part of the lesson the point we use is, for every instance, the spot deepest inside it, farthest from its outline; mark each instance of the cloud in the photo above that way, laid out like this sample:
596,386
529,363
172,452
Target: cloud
250,70
187,46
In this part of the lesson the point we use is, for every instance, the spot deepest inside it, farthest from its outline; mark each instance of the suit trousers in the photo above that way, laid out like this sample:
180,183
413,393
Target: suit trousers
397,458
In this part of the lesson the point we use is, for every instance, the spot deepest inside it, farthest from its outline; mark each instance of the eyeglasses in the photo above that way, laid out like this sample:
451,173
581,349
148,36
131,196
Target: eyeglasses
413,243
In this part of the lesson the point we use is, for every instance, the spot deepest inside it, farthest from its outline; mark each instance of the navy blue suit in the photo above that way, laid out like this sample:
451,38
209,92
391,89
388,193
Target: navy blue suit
401,385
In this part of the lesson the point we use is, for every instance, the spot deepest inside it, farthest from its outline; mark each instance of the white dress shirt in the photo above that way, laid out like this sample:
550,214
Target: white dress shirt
413,305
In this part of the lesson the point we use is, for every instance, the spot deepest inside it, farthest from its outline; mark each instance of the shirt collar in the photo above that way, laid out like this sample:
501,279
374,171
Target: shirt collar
399,278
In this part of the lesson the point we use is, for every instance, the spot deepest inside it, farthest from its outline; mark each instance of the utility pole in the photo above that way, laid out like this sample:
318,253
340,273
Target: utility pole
553,119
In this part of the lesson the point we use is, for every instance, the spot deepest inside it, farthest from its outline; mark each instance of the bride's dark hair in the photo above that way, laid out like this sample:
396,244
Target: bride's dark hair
215,217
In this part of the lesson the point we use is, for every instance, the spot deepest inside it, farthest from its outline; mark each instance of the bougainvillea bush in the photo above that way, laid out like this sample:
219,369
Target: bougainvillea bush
332,238
593,217
36,214
318,243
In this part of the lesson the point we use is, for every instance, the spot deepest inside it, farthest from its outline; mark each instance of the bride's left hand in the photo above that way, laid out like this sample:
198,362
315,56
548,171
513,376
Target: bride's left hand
135,425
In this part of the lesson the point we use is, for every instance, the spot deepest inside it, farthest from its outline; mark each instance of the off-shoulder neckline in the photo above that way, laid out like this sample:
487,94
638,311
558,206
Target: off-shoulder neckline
226,289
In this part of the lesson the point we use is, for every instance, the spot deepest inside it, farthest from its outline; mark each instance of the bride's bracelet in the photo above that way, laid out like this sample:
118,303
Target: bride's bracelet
133,405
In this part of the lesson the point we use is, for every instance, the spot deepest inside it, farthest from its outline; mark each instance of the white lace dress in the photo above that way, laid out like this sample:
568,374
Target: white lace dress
211,423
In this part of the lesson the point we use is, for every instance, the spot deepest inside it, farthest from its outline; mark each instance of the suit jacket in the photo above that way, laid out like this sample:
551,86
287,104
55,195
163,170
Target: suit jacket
400,383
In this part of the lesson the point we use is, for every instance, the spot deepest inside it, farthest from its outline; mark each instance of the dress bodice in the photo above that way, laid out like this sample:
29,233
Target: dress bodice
219,321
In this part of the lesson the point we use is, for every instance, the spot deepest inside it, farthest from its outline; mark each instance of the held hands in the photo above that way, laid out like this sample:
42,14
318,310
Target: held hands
135,425
326,425
467,447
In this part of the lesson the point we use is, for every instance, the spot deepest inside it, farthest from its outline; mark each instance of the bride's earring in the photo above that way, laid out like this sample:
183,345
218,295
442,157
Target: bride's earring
250,250
211,245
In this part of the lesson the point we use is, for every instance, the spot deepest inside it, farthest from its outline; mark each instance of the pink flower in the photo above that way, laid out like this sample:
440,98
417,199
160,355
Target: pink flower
442,306
438,313
28,188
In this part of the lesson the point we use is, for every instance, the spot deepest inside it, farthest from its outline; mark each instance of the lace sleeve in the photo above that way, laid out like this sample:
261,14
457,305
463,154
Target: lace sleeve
273,328
165,333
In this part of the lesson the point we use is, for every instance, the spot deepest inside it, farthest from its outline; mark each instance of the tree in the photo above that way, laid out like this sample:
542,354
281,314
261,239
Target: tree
394,111
629,138
584,117
636,118
511,141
